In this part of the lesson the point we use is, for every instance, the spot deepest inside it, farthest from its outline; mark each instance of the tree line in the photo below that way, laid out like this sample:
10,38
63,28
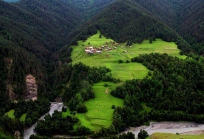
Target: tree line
33,110
80,79
173,88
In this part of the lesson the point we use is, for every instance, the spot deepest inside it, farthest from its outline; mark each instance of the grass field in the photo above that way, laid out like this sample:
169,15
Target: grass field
174,136
22,118
110,58
99,109
10,114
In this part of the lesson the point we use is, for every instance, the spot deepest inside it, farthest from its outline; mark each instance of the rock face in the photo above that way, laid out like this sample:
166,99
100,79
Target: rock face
31,88
17,134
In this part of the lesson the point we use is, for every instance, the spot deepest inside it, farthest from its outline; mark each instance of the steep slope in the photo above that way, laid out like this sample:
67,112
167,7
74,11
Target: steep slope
191,25
163,10
127,21
30,33
89,8
184,16
57,17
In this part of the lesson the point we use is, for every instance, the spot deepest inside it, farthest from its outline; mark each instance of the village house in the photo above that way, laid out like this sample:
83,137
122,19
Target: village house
92,50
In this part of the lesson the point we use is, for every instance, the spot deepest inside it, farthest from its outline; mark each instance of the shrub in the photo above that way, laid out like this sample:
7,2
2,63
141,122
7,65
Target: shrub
82,130
142,134
81,108
120,61
113,107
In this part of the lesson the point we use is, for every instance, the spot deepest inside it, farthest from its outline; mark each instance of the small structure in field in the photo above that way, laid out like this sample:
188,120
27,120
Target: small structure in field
92,50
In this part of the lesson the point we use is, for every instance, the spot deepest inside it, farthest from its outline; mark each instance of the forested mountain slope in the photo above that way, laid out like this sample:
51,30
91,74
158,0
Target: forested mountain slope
126,21
35,38
89,8
163,10
191,24
184,16
30,34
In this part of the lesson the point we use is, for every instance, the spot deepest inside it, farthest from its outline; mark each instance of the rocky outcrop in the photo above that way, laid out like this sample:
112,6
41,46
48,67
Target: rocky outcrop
31,87
17,134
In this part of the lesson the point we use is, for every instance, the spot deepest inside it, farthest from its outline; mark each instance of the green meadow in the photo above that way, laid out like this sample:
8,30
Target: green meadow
99,109
174,136
10,114
110,58
22,118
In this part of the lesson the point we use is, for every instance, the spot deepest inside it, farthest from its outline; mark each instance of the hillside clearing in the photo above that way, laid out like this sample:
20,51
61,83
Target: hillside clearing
99,109
10,114
112,52
22,118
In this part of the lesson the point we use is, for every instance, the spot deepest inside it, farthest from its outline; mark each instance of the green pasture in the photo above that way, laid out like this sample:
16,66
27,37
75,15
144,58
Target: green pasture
99,109
22,118
96,41
110,58
10,114
174,136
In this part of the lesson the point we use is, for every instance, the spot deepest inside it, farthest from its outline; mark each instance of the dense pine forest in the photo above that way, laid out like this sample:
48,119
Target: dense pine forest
36,38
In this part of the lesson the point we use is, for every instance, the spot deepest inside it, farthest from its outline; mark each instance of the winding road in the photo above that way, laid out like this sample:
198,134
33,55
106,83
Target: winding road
162,127
54,106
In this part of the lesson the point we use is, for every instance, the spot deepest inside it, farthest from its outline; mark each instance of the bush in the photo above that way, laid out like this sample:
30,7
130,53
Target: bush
120,61
113,107
64,109
81,108
82,130
142,134
127,61
106,85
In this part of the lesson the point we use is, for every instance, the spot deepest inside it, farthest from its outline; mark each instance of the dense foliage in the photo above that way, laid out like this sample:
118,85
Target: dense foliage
79,89
89,8
142,134
174,89
3,136
185,17
55,124
33,110
3,76
126,21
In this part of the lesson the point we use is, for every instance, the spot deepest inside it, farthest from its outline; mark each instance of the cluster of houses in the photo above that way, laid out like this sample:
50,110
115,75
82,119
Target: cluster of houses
92,50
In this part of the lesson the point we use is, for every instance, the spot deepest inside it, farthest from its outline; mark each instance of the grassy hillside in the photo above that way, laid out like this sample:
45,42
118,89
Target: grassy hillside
118,60
174,136
110,59
10,114
99,109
